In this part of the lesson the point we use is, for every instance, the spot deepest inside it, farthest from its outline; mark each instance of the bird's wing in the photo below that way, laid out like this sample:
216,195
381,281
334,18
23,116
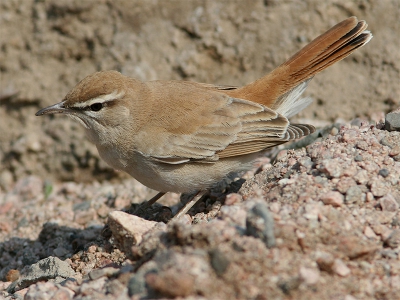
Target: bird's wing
205,125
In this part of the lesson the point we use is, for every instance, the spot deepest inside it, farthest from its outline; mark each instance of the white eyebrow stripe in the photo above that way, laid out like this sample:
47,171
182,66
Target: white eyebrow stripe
101,99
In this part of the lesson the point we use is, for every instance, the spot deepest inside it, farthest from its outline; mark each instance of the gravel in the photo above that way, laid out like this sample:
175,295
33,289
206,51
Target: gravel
317,223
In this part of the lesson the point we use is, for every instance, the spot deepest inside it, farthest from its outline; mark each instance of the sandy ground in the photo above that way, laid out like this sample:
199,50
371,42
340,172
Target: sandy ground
50,173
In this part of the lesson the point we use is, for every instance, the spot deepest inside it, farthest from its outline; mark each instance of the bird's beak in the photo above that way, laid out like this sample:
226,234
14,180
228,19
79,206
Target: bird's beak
58,108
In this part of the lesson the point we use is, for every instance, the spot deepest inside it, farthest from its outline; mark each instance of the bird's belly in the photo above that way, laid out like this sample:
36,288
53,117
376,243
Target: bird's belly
179,178
187,177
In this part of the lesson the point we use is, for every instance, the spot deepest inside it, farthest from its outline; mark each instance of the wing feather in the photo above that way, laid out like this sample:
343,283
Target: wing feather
223,127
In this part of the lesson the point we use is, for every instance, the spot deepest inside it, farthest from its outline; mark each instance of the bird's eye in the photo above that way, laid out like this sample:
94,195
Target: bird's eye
96,106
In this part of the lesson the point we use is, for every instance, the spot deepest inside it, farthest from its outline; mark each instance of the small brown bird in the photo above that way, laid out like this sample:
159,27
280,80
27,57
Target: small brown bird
179,136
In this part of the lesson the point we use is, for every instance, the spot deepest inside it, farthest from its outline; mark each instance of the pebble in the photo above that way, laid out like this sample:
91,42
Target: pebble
219,261
233,214
384,173
354,194
170,283
389,203
358,158
233,198
393,241
344,184
45,269
378,188
392,121
309,276
29,187
282,155
325,261
331,167
349,297
260,224
275,207
369,197
340,268
369,233
93,285
6,179
361,177
395,151
97,273
303,197
128,230
306,162
51,290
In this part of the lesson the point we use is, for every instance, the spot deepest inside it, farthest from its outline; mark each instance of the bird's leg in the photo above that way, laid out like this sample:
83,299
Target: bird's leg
189,205
145,205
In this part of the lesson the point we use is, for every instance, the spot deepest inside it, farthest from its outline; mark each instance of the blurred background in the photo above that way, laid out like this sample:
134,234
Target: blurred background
47,46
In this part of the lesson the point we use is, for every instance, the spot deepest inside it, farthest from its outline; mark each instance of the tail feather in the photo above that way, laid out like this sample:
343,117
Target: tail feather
282,88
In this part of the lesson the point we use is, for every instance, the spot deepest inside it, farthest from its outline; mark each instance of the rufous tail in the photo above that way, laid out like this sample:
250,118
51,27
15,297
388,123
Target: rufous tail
287,82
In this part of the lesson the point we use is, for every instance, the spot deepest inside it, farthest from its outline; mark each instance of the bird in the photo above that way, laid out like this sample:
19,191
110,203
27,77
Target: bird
184,136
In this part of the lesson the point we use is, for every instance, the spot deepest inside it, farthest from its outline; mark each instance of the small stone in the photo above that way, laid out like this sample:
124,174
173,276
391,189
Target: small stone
136,284
325,261
29,187
353,195
353,248
350,136
384,173
60,251
4,285
332,198
233,198
282,155
369,197
361,177
384,217
171,283
92,285
349,297
233,214
305,161
45,269
128,230
290,285
392,121
97,273
340,268
52,291
260,224
362,145
309,276
219,262
378,188
344,184
331,167
358,157
350,171
381,230
85,216
275,207
6,179
388,203
393,241
369,233
394,151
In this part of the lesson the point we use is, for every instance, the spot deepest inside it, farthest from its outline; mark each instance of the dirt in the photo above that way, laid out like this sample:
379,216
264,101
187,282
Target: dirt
46,47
